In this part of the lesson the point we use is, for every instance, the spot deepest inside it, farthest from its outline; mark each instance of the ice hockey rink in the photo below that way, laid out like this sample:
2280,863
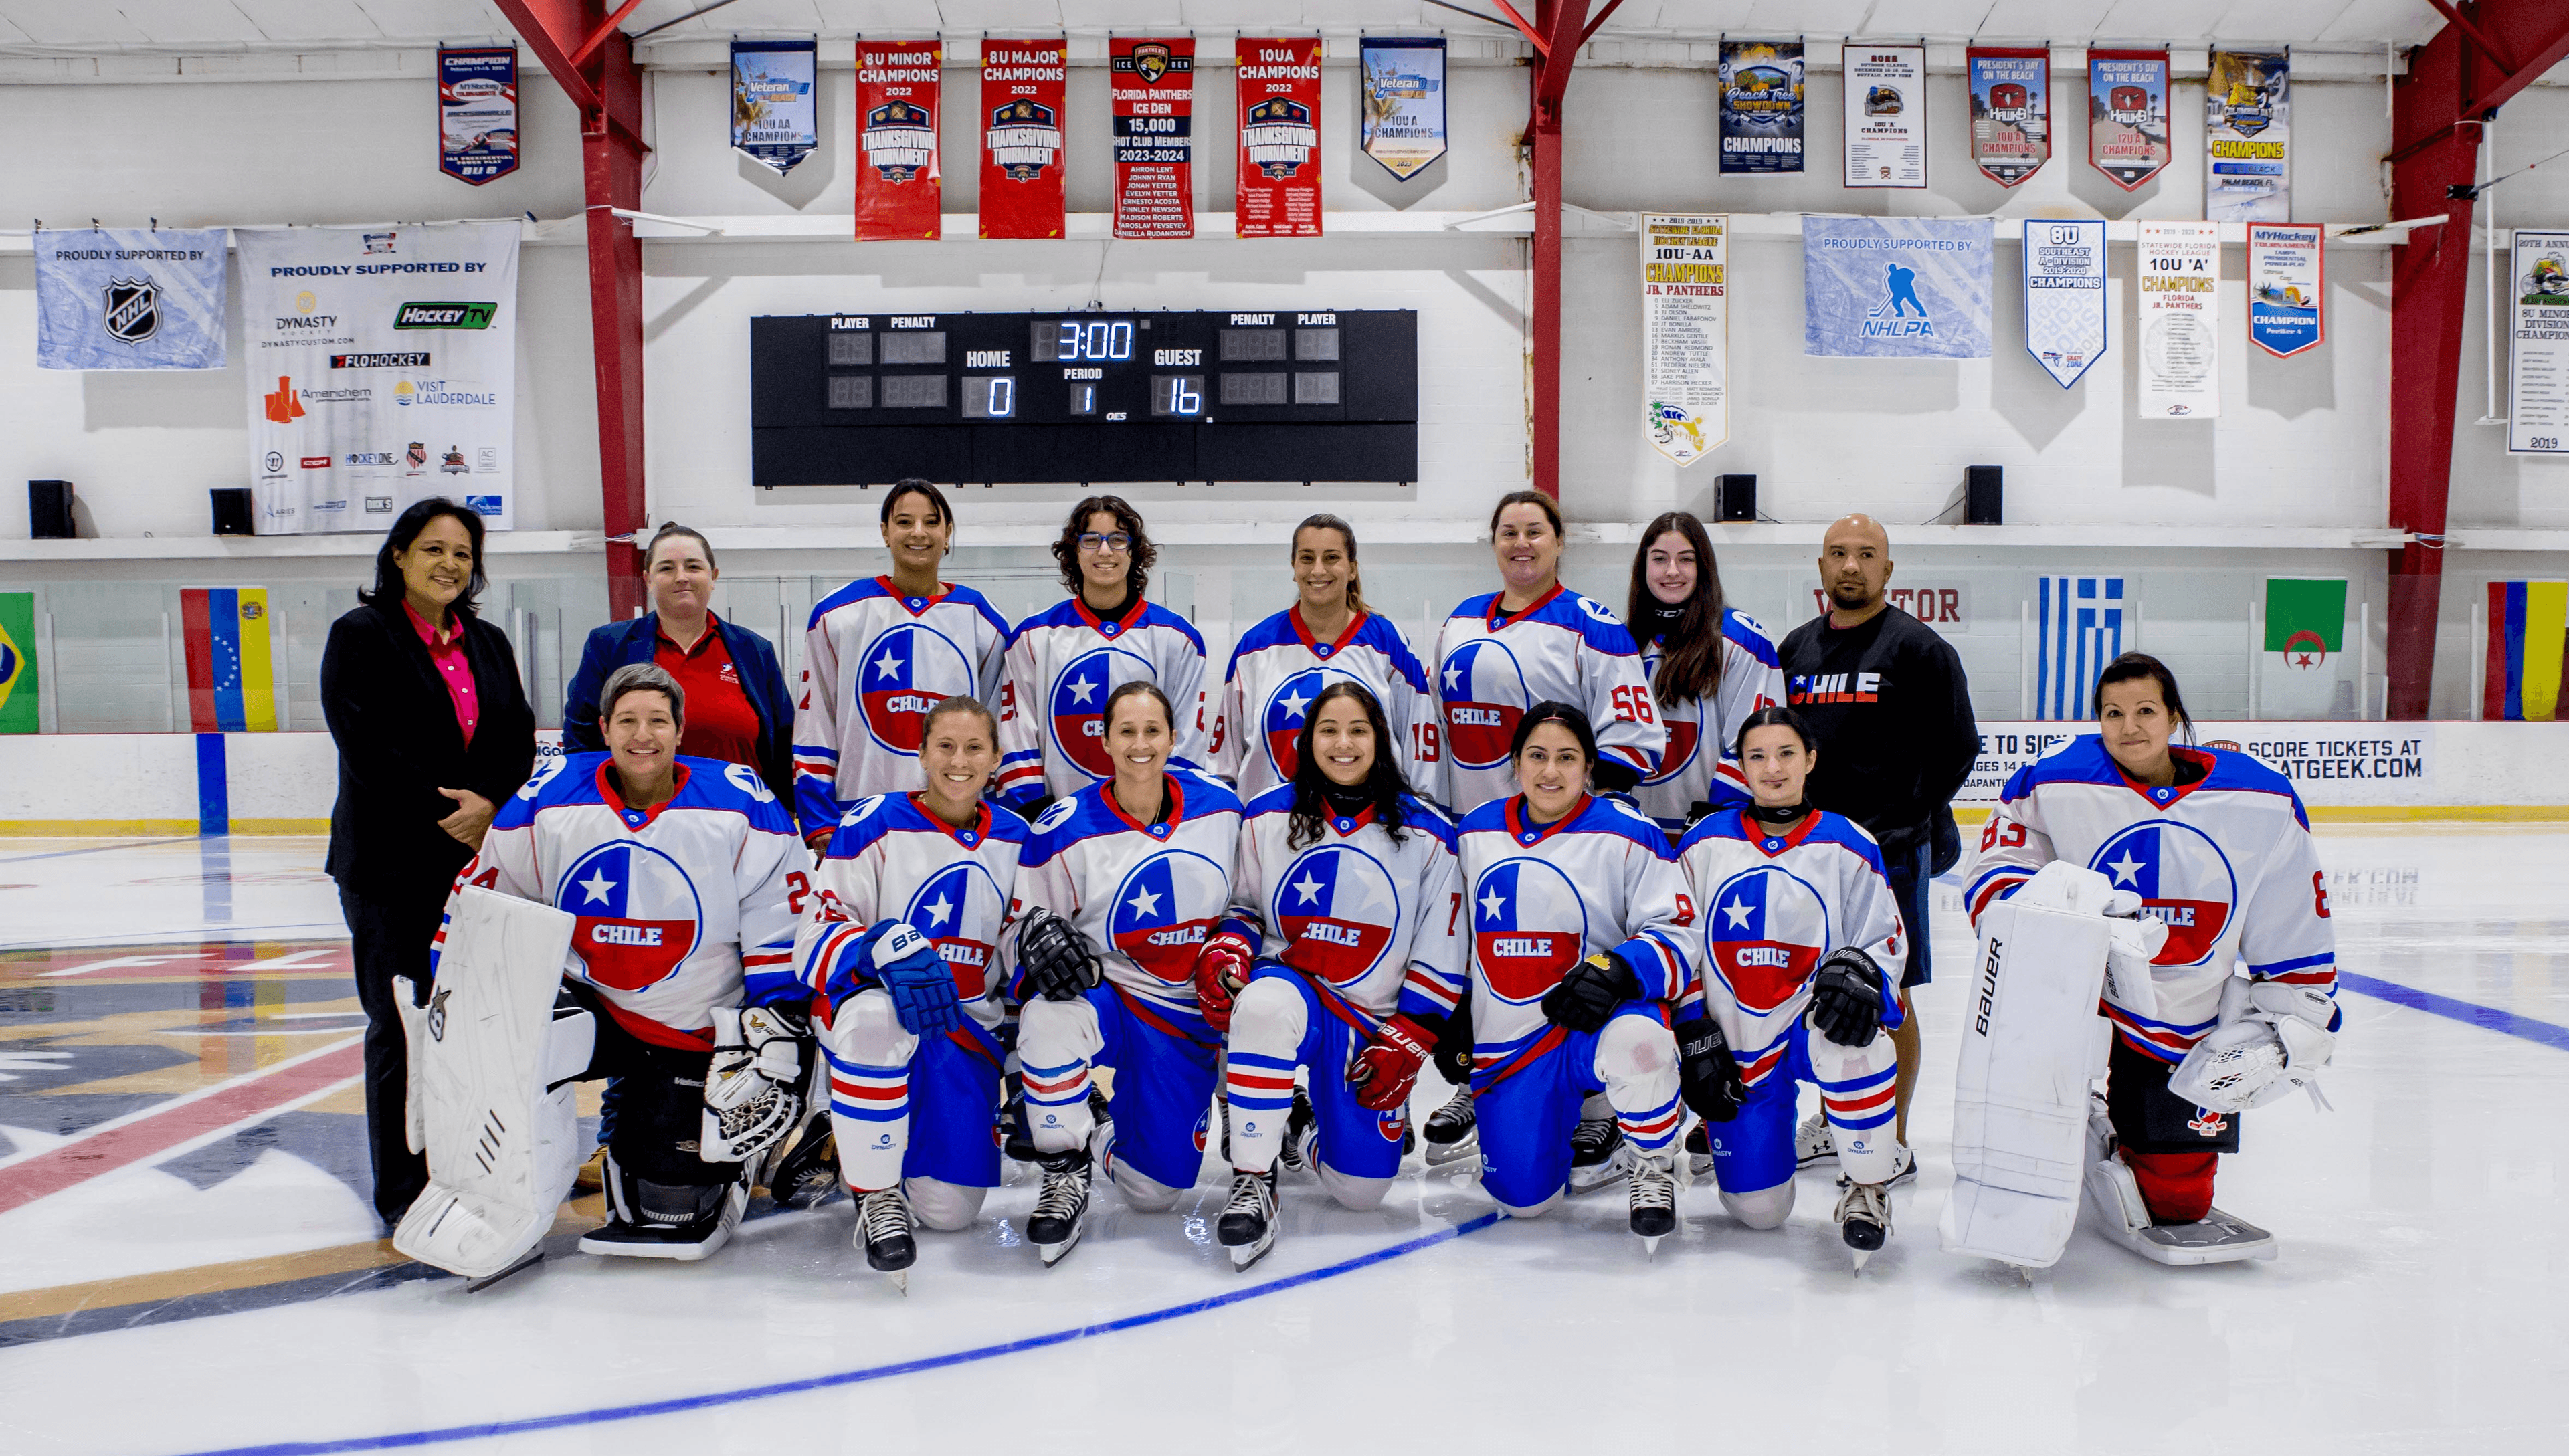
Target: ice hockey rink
189,1264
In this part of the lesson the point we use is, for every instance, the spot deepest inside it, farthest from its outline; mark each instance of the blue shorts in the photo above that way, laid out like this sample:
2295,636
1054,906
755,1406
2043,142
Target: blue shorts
1162,1104
1354,1140
1525,1103
955,1110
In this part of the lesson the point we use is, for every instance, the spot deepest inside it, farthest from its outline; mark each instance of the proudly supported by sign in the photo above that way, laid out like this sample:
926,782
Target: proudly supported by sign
129,299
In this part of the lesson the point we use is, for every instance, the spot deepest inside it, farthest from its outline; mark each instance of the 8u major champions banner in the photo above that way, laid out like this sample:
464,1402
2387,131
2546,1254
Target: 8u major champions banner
382,369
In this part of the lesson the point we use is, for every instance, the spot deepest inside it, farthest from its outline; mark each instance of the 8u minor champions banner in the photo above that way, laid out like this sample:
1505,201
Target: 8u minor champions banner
898,183
382,369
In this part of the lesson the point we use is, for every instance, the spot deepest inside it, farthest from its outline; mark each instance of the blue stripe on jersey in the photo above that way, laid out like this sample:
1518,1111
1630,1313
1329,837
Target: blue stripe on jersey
868,587
1066,614
1601,628
2287,967
1745,634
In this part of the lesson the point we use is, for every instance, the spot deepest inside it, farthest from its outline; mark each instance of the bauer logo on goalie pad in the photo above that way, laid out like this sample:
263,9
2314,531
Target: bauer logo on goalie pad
637,911
2183,879
1528,924
1766,932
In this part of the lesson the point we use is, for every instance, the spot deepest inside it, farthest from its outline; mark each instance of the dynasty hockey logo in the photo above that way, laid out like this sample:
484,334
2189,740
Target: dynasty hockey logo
437,1015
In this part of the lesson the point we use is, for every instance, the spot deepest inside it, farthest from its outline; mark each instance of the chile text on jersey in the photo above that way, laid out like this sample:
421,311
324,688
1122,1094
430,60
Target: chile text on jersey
2183,880
1337,908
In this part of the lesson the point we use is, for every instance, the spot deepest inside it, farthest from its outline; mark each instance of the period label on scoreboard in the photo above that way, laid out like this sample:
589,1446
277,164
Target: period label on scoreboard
1685,334
1279,136
1021,128
899,188
2180,347
1151,88
2127,115
2011,110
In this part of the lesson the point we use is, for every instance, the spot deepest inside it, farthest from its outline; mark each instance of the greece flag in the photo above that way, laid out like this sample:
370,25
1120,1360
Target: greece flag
2079,628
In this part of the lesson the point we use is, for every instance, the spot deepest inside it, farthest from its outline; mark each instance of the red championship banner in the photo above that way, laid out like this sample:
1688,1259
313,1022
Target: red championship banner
899,190
1280,137
1021,91
1152,84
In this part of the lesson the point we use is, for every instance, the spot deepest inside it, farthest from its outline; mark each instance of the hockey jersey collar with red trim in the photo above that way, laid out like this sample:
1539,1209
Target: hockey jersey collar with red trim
1115,626
1160,831
1490,614
915,606
2173,795
636,820
970,836
1518,820
1319,648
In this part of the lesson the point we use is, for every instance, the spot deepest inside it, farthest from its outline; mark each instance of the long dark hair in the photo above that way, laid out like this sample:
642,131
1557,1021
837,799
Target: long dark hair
1324,521
1554,711
2131,667
914,486
1383,782
1775,715
1689,651
1065,552
388,589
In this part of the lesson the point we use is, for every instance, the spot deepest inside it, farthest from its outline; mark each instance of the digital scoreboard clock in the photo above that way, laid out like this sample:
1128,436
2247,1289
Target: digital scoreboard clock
995,398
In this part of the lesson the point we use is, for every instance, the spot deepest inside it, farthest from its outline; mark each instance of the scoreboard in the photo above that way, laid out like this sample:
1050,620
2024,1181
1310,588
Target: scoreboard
995,398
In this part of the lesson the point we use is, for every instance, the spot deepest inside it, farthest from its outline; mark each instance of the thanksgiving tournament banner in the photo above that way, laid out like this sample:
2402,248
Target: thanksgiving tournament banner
1151,86
898,188
1021,110
1280,137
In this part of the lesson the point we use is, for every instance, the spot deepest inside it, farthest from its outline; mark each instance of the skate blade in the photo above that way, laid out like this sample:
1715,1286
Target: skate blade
528,1261
1439,1153
1650,1246
900,1280
1055,1252
1589,1180
1245,1255
1861,1255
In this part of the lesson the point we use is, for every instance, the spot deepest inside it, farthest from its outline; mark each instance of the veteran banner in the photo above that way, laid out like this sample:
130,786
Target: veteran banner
1151,90
2537,390
129,299
1761,106
1403,101
2067,299
477,112
1685,334
2287,286
2127,115
773,117
2179,272
2248,136
899,186
2010,92
1278,193
1886,115
1896,287
1021,120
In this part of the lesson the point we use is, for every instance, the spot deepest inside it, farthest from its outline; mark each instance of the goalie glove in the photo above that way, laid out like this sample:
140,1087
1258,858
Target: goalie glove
1846,997
1222,968
2272,1038
753,1085
1387,1067
901,961
1058,960
1708,1075
1591,991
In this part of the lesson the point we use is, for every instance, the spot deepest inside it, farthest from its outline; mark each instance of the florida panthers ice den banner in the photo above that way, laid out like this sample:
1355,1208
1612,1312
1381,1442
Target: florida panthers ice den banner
2011,110
1021,111
773,117
2180,268
1151,86
1280,137
477,112
2127,115
899,188
2066,299
2287,286
1685,334
129,299
382,368
1886,115
2248,136
1896,287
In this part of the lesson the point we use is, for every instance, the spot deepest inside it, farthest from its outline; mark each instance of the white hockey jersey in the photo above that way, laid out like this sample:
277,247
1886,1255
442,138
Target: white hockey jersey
1061,666
1147,896
1774,905
1564,647
1700,762
1279,667
891,858
1378,924
874,662
2227,862
1544,899
681,908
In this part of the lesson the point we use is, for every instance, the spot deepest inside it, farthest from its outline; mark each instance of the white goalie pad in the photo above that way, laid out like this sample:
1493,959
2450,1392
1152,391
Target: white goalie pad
492,1072
2031,1044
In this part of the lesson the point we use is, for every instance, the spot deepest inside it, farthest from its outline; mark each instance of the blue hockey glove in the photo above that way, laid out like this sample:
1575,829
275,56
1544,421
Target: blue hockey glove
907,967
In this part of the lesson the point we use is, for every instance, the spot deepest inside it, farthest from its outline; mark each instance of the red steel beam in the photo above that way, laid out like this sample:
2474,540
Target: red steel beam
1563,23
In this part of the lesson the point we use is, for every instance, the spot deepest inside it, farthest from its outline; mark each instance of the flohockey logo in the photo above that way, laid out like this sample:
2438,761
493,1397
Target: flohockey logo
637,914
1078,707
1163,911
1528,924
133,309
1338,909
905,671
899,139
1765,932
958,909
1025,137
1279,135
1281,721
2183,880
1485,695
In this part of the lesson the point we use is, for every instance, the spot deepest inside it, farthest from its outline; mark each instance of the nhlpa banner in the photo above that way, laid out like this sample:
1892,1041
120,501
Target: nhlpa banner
1896,287
773,118
1022,111
2287,286
1403,106
1886,115
129,299
1151,85
1685,334
2180,283
477,112
2066,299
2127,115
1761,106
2247,137
382,368
2011,112
1280,137
899,188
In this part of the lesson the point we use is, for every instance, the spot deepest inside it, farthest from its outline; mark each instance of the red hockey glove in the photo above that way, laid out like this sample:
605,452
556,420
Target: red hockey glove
1222,968
1388,1066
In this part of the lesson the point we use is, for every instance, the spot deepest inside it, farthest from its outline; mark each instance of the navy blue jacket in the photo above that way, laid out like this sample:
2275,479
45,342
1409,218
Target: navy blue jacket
762,681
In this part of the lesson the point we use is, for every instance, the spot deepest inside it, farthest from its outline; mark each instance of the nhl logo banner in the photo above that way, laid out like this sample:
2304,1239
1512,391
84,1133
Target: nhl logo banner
2011,112
477,112
2180,283
1280,137
1761,106
1151,86
129,299
1022,96
2287,286
1403,107
2248,136
899,188
2127,115
1896,287
2066,297
771,114
1886,115
1685,334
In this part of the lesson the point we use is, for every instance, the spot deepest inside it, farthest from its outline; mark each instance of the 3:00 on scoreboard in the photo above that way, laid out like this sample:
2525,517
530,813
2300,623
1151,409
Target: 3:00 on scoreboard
1015,398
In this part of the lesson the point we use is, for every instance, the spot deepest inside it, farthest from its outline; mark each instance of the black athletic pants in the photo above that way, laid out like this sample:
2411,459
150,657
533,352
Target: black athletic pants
660,1101
389,935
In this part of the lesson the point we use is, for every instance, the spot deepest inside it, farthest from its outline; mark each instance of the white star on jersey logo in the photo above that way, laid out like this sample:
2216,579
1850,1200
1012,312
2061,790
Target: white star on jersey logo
887,665
1453,679
1294,704
1737,911
1081,690
2126,870
1494,904
1144,903
1308,889
597,886
938,909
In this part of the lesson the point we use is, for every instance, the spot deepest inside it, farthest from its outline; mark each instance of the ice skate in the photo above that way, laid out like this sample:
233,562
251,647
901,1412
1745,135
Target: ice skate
656,1221
808,1171
1654,1197
1904,1167
883,1233
1453,1130
2123,1218
1062,1206
1302,1129
1699,1149
1812,1142
1597,1154
1864,1219
1248,1224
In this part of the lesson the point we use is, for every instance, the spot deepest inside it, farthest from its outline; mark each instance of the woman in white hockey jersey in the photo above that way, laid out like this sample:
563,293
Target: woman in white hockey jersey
2242,990
1346,901
1797,923
878,653
1119,887
1065,660
898,947
1327,635
1709,667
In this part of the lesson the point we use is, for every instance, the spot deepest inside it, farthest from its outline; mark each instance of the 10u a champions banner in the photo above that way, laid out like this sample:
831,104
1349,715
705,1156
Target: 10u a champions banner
382,369
1151,87
2011,110
129,299
2127,115
2248,136
1403,108
1761,106
1280,137
773,117
1896,287
2179,266
477,112
898,188
1021,115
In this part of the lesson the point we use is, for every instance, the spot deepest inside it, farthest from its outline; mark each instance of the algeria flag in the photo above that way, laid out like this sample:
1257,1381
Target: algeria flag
2305,641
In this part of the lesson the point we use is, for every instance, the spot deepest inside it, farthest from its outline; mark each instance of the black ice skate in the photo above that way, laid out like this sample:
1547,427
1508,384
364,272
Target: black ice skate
1062,1206
1698,1148
1597,1156
1654,1198
1453,1130
1248,1224
883,1233
1864,1219
1300,1125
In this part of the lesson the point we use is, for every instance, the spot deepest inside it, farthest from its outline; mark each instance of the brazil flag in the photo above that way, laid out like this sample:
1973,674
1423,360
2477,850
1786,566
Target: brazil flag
17,662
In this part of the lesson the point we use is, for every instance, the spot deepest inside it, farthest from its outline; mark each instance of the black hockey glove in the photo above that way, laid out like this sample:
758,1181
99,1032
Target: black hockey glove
1846,997
1056,959
1030,811
1708,1075
1453,1055
1614,778
1591,991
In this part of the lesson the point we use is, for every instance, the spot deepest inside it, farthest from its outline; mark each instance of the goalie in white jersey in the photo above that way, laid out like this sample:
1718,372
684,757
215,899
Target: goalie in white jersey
1710,668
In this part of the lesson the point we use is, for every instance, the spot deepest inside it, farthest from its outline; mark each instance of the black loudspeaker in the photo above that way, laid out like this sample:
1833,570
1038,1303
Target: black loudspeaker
231,510
1736,499
1984,495
49,510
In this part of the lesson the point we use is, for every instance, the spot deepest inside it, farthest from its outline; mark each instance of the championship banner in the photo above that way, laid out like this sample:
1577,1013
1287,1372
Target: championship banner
1150,88
231,688
129,299
2287,286
2066,297
2180,266
2127,115
1280,137
477,112
773,116
1403,105
1886,115
20,682
2011,110
1896,287
1021,111
898,188
1685,334
1761,106
382,369
2537,388
2248,136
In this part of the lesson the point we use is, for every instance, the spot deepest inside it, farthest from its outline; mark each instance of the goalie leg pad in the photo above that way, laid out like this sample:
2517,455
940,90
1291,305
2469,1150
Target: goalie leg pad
414,1017
2150,1117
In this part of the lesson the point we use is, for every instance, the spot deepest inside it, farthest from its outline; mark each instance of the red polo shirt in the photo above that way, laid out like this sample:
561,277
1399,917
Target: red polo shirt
721,724
446,650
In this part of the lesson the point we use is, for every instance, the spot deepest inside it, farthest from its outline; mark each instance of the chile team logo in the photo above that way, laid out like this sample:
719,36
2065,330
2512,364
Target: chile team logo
1485,695
1765,931
907,670
1163,911
1079,706
1339,910
2183,880
1529,925
960,909
638,915
1281,720
1684,723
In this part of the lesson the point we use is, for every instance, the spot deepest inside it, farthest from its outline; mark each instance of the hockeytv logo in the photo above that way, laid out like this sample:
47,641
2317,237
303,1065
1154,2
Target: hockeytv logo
445,315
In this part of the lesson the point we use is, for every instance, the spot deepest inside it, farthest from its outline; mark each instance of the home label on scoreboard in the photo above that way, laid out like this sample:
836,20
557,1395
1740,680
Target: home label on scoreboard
1301,395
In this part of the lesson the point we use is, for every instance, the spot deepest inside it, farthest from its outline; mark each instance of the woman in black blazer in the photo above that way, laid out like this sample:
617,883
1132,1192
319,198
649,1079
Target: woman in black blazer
434,733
